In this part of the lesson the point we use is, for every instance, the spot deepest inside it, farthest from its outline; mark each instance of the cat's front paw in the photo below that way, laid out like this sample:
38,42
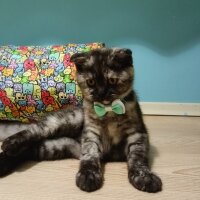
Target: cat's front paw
89,180
13,145
145,180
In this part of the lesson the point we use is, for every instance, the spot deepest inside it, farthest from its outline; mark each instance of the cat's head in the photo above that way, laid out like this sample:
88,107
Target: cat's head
104,74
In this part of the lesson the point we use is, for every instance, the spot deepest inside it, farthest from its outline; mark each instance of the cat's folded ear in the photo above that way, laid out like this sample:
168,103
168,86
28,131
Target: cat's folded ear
123,56
79,59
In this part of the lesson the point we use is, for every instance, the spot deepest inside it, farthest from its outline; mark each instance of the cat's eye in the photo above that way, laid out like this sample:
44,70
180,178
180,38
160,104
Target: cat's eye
90,82
112,81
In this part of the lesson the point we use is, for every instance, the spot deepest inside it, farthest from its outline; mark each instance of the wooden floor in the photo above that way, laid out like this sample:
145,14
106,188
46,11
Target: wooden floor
175,153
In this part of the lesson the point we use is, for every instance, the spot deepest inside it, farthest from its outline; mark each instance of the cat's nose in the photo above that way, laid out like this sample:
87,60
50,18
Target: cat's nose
102,92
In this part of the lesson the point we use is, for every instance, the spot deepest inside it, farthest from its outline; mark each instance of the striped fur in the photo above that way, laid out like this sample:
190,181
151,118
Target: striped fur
103,76
56,137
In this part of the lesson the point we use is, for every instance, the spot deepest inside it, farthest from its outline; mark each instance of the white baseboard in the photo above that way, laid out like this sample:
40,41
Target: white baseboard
158,108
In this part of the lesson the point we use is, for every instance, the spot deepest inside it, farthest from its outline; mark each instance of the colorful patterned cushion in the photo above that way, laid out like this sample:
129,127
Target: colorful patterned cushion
35,80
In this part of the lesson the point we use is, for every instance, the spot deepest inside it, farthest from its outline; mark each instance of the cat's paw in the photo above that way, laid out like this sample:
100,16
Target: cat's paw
13,145
89,180
6,165
145,180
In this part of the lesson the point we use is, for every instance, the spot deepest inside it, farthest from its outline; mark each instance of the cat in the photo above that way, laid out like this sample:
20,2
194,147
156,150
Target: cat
108,127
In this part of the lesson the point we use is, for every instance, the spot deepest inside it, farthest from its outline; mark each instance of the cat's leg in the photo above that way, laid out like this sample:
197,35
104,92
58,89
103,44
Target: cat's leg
139,173
56,149
63,123
90,175
50,149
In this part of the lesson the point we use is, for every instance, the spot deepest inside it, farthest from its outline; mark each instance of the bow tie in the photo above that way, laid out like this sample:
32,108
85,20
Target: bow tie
117,107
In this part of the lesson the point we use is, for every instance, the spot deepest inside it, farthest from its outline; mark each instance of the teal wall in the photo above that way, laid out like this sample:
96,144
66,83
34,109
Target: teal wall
163,34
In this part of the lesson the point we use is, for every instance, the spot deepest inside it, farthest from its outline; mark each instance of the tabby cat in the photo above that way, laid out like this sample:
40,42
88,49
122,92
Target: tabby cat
108,127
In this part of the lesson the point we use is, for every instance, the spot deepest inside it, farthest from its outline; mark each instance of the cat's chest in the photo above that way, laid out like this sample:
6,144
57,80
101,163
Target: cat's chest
114,133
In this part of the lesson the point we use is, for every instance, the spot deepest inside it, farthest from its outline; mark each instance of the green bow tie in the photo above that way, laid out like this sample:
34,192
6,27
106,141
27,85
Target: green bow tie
117,107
